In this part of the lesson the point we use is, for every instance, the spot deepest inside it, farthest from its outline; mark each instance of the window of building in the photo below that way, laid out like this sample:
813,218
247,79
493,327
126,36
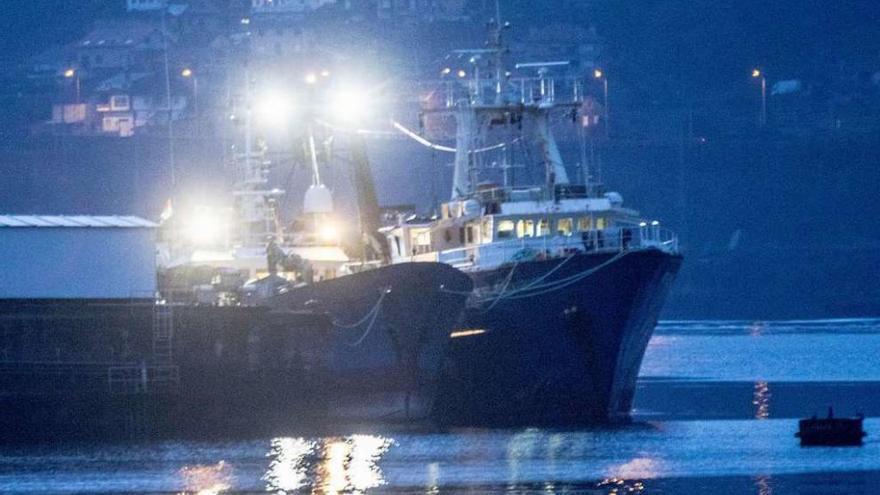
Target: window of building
470,234
601,223
564,226
119,102
505,229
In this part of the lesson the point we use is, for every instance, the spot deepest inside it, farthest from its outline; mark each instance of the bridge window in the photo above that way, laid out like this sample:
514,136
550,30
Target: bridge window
525,228
505,229
585,224
564,226
486,230
543,227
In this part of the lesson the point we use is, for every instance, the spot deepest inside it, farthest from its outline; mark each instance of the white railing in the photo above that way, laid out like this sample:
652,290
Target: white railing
610,240
447,93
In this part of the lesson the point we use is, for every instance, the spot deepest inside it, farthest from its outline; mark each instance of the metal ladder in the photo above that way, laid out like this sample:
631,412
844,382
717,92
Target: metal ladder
163,333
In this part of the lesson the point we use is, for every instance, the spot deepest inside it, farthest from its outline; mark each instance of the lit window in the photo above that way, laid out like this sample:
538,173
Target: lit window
585,224
564,226
543,227
486,230
505,229
600,223
525,228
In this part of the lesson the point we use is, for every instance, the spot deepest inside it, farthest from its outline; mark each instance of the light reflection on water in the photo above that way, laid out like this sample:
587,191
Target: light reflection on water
720,456
210,479
327,466
761,400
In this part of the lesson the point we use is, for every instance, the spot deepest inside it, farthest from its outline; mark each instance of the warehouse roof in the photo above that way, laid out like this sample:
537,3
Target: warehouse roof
74,221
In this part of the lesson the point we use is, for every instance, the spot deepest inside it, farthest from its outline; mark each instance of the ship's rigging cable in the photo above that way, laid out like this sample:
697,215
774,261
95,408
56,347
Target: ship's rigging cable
419,139
534,288
371,315
565,282
414,136
503,287
503,292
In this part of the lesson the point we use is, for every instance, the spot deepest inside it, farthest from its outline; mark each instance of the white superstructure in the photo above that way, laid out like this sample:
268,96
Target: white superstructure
486,224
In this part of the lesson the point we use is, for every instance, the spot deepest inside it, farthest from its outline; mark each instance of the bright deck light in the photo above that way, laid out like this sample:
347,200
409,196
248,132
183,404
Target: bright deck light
350,105
462,73
598,73
756,72
311,78
69,73
204,226
329,232
274,108
187,72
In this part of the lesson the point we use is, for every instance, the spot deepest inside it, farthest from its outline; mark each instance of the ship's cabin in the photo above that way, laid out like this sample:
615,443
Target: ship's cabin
499,225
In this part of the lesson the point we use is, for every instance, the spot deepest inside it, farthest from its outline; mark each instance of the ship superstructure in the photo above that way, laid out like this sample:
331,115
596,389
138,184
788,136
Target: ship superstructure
568,281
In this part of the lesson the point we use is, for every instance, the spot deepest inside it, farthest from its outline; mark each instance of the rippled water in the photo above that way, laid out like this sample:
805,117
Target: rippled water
714,414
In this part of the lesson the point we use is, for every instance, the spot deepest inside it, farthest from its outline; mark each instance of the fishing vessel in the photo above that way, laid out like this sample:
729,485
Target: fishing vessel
569,282
257,325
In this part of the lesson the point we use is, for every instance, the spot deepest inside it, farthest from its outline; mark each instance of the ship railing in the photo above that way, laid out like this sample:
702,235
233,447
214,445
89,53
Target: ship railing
608,240
448,92
143,379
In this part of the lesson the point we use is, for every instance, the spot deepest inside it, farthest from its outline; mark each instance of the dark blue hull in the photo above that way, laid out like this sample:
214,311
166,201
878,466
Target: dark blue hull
563,340
83,369
388,338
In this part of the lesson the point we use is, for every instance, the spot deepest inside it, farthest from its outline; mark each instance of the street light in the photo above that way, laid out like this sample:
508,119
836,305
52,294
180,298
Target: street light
71,73
598,74
189,74
757,74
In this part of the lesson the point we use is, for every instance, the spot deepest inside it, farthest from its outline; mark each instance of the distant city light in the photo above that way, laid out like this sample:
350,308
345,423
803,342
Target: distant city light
756,73
245,21
462,73
69,73
325,73
655,223
187,72
467,332
273,108
311,78
446,70
597,73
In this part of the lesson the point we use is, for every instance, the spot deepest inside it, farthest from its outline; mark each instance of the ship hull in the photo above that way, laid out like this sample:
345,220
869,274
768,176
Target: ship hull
96,369
558,342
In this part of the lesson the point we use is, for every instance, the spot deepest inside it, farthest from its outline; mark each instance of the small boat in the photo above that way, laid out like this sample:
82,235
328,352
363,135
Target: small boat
831,431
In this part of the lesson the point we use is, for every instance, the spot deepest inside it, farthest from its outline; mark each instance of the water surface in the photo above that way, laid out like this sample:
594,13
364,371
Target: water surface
714,414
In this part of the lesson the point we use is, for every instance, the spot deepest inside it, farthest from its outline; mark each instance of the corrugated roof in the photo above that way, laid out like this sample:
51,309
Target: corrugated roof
74,221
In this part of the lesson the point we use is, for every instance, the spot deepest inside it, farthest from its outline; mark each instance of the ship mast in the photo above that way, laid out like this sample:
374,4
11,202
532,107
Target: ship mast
466,115
537,101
